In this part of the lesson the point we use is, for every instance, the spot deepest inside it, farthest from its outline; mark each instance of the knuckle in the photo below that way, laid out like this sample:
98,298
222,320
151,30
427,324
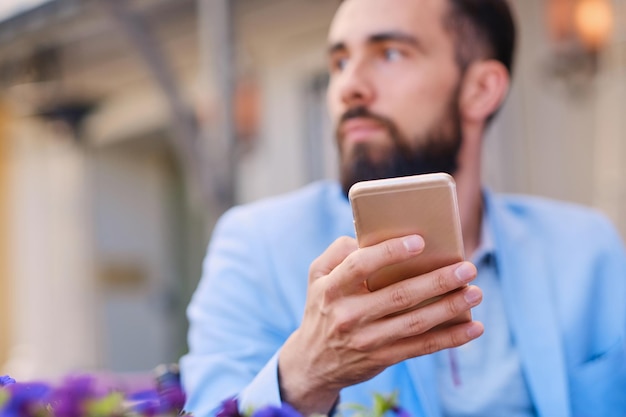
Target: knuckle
361,344
400,297
451,306
329,293
345,241
315,267
431,345
457,339
354,266
388,251
344,322
440,282
415,323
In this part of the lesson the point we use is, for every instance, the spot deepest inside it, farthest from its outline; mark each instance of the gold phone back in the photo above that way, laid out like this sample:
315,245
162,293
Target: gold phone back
422,204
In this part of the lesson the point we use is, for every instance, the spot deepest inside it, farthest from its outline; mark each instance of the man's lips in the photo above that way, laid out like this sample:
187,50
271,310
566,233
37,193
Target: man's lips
360,129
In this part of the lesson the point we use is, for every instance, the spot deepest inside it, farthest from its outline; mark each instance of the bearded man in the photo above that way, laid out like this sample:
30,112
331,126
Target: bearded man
281,313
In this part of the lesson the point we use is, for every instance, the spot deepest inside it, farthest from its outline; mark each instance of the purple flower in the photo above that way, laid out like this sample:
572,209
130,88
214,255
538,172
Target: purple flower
146,403
147,395
400,412
272,411
6,380
70,398
172,399
25,399
229,408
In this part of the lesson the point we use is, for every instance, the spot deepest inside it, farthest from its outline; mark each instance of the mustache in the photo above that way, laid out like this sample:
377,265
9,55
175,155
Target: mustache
362,112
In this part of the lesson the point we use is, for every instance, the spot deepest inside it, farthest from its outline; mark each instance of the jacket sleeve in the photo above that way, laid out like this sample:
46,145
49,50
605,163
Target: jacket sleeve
237,320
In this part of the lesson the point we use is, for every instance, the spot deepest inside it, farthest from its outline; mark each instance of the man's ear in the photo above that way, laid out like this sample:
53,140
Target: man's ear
485,86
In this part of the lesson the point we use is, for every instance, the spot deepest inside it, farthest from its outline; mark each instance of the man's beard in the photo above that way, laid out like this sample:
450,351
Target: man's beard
436,151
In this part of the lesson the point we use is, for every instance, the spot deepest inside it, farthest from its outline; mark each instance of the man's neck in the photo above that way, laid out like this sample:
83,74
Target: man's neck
469,187
470,199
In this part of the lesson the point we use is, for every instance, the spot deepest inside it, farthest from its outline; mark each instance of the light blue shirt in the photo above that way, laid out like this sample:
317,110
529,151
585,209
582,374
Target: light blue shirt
562,276
484,377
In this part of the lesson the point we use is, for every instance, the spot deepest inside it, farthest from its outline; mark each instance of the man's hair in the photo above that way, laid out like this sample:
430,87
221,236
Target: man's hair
482,29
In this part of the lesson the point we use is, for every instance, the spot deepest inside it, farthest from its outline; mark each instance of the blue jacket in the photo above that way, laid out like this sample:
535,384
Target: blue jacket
563,274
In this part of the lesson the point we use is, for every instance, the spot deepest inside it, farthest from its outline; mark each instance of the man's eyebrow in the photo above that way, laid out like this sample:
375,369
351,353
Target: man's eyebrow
394,36
336,47
377,38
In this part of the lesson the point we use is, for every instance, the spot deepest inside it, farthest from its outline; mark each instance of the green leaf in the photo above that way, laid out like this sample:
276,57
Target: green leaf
4,397
384,404
248,411
107,406
357,410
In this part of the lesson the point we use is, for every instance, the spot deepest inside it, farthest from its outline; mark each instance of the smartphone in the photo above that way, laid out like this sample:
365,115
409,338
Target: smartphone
425,205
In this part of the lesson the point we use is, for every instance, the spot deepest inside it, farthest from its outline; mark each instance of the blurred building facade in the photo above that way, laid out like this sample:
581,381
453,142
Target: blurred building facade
105,226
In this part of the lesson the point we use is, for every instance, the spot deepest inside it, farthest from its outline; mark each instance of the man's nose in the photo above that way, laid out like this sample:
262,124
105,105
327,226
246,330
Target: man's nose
356,86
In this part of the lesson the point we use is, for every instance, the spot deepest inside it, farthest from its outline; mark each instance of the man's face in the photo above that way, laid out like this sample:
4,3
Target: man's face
394,85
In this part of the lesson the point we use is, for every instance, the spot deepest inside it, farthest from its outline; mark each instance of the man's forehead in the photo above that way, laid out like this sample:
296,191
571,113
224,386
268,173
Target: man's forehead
359,19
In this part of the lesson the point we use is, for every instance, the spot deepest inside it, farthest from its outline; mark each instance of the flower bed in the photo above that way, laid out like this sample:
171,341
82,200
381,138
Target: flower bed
80,396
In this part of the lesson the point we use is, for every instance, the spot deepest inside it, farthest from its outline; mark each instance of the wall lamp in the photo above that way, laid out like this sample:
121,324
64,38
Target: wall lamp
579,29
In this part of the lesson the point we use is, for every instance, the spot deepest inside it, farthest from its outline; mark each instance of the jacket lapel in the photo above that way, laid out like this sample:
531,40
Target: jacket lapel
523,271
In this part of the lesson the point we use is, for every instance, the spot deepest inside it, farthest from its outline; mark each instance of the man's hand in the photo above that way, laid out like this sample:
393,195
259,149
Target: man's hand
349,334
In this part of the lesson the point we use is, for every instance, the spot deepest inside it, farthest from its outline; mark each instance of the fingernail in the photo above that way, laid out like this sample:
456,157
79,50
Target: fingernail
474,331
465,272
413,243
472,295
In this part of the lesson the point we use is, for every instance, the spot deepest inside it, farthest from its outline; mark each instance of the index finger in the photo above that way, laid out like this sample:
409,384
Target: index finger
332,256
360,264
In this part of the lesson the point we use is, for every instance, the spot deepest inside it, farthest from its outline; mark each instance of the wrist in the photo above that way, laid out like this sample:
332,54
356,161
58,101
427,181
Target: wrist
307,399
299,387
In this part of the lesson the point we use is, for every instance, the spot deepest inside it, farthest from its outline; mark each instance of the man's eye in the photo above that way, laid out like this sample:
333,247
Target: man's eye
339,64
392,54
